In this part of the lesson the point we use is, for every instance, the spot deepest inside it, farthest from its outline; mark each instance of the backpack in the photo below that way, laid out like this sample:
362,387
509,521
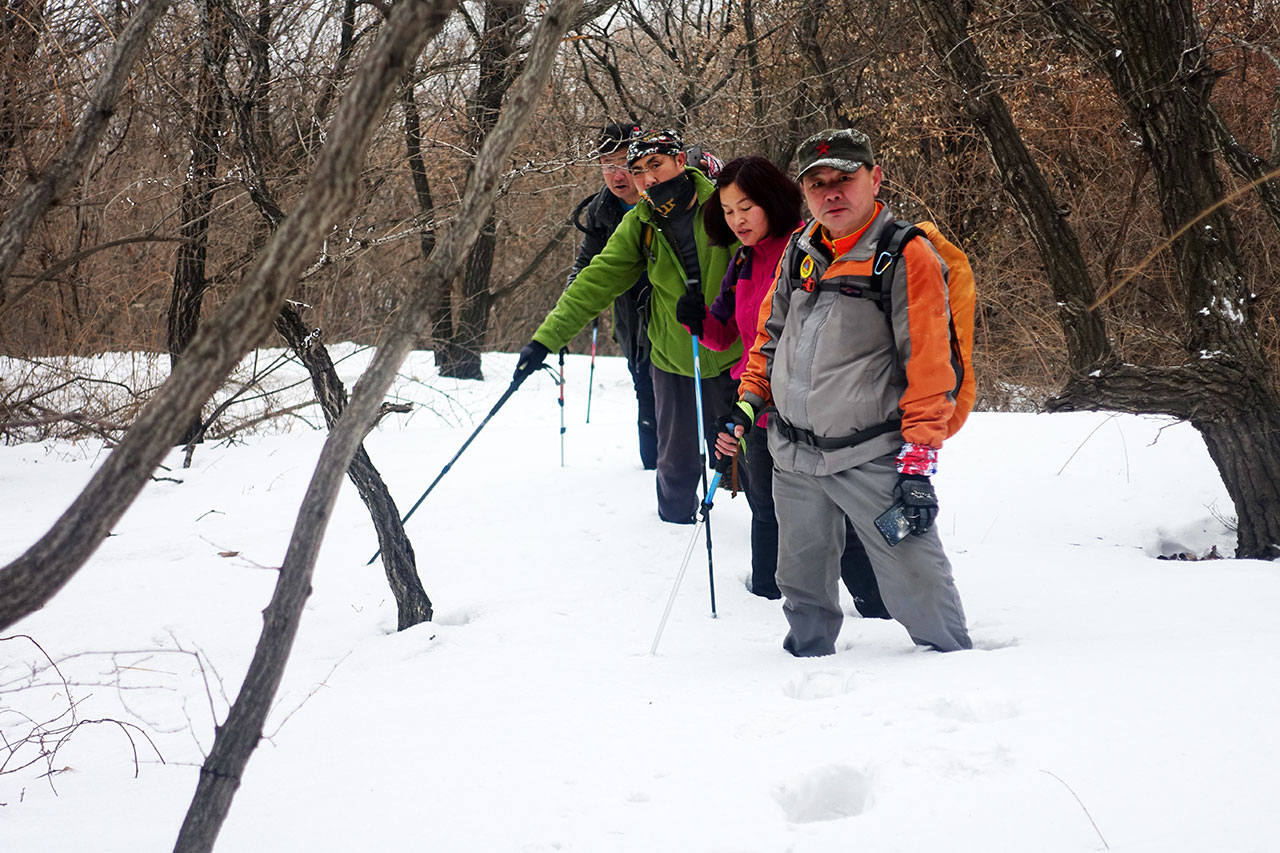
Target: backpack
961,296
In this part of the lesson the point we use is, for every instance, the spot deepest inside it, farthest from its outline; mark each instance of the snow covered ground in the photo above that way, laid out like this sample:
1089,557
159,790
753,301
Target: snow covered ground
1114,701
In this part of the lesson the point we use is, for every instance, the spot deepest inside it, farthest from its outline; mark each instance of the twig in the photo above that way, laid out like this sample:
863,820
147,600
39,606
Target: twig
1086,441
1082,806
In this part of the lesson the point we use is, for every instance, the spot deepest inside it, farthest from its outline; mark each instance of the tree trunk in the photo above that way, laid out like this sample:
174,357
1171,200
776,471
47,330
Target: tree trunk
412,604
504,21
1046,219
1246,449
189,281
473,313
1159,70
239,735
28,582
441,308
1158,65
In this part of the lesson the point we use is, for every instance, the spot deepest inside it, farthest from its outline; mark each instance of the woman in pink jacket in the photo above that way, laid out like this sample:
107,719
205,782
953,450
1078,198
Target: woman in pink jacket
760,207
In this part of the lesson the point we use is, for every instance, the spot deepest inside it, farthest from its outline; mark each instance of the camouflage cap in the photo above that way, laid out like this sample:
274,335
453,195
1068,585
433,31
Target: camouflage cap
616,136
654,142
845,149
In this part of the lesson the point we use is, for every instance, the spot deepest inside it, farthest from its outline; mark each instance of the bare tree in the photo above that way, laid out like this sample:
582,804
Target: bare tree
189,279
413,606
33,578
497,63
19,39
1155,59
239,735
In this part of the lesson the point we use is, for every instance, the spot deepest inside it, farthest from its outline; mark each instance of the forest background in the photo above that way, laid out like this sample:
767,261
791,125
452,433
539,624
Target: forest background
230,100
1107,166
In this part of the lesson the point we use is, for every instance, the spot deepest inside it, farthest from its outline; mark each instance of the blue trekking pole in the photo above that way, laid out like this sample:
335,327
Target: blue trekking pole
591,374
692,287
515,383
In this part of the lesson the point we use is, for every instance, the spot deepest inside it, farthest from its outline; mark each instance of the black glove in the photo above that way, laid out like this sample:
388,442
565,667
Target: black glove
690,311
531,358
739,415
919,503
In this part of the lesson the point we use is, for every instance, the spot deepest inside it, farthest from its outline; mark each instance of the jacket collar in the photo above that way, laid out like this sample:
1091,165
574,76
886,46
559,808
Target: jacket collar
810,238
703,186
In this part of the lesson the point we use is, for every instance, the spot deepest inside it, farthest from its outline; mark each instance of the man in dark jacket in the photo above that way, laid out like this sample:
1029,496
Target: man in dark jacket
597,216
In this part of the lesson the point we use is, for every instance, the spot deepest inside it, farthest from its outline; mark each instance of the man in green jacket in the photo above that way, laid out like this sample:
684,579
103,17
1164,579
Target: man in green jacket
662,235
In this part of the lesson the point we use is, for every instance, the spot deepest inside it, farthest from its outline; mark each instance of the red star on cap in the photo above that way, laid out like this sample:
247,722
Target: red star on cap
823,147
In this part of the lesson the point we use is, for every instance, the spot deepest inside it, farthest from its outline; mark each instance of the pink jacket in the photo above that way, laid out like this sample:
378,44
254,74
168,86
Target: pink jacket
736,311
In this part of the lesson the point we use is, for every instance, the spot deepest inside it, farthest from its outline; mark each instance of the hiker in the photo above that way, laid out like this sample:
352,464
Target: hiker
596,217
663,235
759,206
862,403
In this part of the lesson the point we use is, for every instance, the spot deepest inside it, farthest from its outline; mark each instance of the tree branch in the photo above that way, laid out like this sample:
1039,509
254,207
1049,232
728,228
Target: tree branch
40,193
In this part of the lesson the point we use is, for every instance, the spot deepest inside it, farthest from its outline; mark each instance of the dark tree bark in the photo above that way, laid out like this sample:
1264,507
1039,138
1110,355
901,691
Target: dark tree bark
412,604
462,356
498,64
239,735
189,281
441,311
41,191
1157,65
1045,217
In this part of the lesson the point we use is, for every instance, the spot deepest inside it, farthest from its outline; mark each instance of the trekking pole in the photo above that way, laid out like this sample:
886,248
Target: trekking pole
704,517
692,287
563,350
591,374
515,383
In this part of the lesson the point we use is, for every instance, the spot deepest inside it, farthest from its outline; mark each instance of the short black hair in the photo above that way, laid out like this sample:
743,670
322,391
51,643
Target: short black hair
766,185
615,136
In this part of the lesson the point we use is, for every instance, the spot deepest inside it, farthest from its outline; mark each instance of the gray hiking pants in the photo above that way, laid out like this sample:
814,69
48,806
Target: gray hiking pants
914,575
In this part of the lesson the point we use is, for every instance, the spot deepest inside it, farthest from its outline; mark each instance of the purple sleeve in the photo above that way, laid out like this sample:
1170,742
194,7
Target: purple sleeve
720,328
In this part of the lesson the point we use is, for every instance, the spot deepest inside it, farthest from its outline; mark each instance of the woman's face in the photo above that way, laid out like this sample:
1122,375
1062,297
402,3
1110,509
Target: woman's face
746,219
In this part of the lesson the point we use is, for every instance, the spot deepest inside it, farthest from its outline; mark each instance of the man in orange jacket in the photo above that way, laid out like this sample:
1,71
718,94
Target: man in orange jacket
863,392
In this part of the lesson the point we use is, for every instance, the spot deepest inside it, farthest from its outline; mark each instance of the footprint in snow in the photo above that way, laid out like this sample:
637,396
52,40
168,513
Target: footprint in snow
991,644
828,793
457,616
820,684
976,707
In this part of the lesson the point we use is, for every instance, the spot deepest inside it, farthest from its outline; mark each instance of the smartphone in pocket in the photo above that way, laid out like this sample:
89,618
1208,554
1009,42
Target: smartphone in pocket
893,524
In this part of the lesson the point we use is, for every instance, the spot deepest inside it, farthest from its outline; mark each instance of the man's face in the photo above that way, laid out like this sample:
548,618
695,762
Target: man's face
842,201
656,169
613,167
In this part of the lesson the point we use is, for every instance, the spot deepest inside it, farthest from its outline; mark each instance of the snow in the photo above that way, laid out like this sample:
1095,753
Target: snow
1113,700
